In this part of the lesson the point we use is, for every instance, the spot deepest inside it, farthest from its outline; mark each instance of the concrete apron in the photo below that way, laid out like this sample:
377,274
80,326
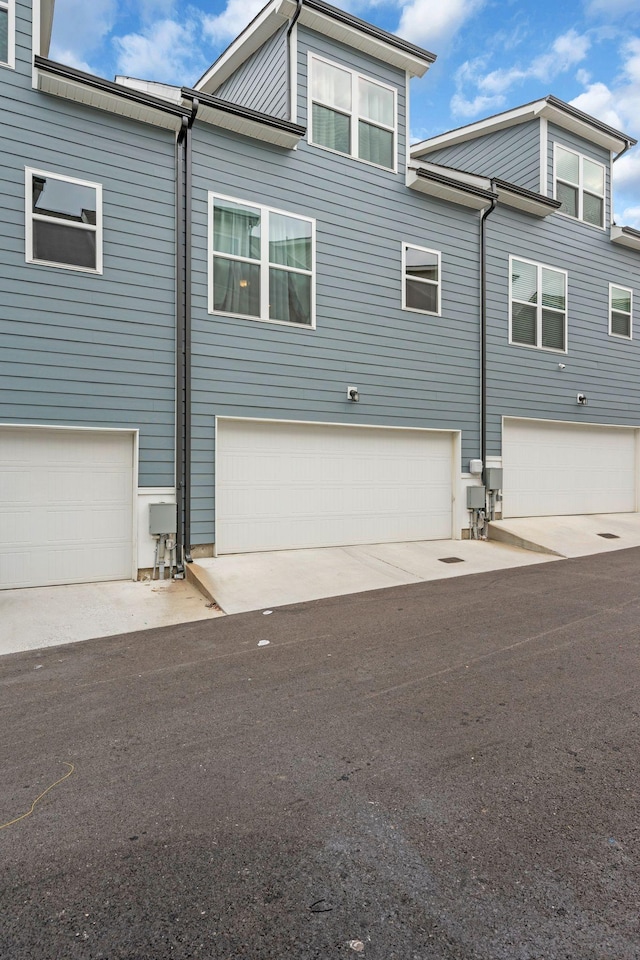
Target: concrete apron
578,536
243,582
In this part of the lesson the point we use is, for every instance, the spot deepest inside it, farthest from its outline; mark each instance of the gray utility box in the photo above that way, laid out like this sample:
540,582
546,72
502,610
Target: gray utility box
162,518
493,478
476,498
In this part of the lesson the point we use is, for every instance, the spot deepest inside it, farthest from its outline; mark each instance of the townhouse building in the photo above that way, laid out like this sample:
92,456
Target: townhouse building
252,298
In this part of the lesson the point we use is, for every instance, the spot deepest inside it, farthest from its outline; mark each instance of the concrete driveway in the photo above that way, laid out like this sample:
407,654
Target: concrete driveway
440,771
578,536
245,582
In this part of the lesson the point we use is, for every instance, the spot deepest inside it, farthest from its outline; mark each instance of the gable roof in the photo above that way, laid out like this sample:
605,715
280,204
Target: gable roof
325,19
550,108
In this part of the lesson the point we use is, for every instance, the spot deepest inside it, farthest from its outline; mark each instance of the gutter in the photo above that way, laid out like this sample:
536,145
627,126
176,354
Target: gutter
294,20
225,106
450,182
483,329
183,337
627,146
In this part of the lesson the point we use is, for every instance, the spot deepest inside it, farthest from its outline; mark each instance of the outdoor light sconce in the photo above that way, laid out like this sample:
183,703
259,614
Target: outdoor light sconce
352,394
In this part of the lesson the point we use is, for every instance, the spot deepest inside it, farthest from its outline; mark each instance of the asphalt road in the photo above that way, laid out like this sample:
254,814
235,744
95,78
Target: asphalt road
437,771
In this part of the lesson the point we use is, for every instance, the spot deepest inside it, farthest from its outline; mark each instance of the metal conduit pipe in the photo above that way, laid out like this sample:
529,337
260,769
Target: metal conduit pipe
483,329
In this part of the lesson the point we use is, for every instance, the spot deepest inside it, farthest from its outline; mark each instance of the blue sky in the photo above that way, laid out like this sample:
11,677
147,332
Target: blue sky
492,55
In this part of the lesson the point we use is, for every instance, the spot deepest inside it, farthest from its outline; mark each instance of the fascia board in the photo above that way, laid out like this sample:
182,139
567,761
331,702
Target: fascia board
582,129
352,37
256,34
626,237
474,130
446,191
248,127
80,93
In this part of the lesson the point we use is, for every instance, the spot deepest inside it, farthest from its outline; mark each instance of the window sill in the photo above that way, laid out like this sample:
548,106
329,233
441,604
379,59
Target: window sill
65,266
531,346
276,323
593,226
350,156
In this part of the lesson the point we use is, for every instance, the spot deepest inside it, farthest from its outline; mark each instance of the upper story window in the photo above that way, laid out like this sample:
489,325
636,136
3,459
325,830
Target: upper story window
538,305
580,184
7,33
352,114
620,311
262,262
421,279
64,221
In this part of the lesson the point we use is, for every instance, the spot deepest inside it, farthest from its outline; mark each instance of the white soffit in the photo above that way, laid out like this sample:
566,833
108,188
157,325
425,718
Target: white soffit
446,191
248,127
626,238
528,204
81,93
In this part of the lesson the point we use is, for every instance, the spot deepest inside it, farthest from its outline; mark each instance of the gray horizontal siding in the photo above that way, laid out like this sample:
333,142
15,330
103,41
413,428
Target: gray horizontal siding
527,382
512,154
412,370
80,349
261,82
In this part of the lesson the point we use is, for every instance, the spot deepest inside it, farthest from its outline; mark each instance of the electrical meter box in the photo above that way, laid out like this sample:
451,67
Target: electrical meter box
476,497
493,478
162,518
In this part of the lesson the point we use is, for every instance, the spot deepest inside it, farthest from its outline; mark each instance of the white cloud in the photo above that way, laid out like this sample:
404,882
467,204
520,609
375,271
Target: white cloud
81,26
617,105
233,19
434,22
631,217
566,51
69,58
164,52
612,9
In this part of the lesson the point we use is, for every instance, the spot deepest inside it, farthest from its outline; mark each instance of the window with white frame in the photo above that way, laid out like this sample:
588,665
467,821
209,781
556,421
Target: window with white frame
7,33
262,262
421,279
538,305
352,114
580,185
64,221
620,311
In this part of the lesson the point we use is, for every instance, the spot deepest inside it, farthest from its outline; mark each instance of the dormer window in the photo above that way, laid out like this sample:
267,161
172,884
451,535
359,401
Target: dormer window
352,114
579,185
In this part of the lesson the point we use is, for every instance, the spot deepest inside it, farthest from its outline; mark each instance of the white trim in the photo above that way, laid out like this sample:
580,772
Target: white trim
580,186
456,439
544,157
29,173
353,114
263,263
134,433
293,73
540,267
10,7
407,120
437,283
36,40
621,336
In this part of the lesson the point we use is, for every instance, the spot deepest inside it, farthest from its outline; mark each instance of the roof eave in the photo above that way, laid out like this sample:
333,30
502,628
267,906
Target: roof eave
527,201
626,237
447,188
243,120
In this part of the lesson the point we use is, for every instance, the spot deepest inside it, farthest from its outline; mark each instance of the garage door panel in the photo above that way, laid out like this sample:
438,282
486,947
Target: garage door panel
568,469
287,486
66,507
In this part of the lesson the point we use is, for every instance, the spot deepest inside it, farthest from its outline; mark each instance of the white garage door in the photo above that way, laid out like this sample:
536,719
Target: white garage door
283,485
559,469
65,506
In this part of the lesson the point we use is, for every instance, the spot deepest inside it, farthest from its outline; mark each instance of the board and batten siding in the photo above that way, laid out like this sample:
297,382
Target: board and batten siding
412,369
528,382
77,348
512,154
261,82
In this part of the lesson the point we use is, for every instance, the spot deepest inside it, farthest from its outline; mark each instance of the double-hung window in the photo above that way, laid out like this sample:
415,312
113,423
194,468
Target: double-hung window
580,184
261,262
620,311
352,114
64,221
421,279
7,33
538,305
